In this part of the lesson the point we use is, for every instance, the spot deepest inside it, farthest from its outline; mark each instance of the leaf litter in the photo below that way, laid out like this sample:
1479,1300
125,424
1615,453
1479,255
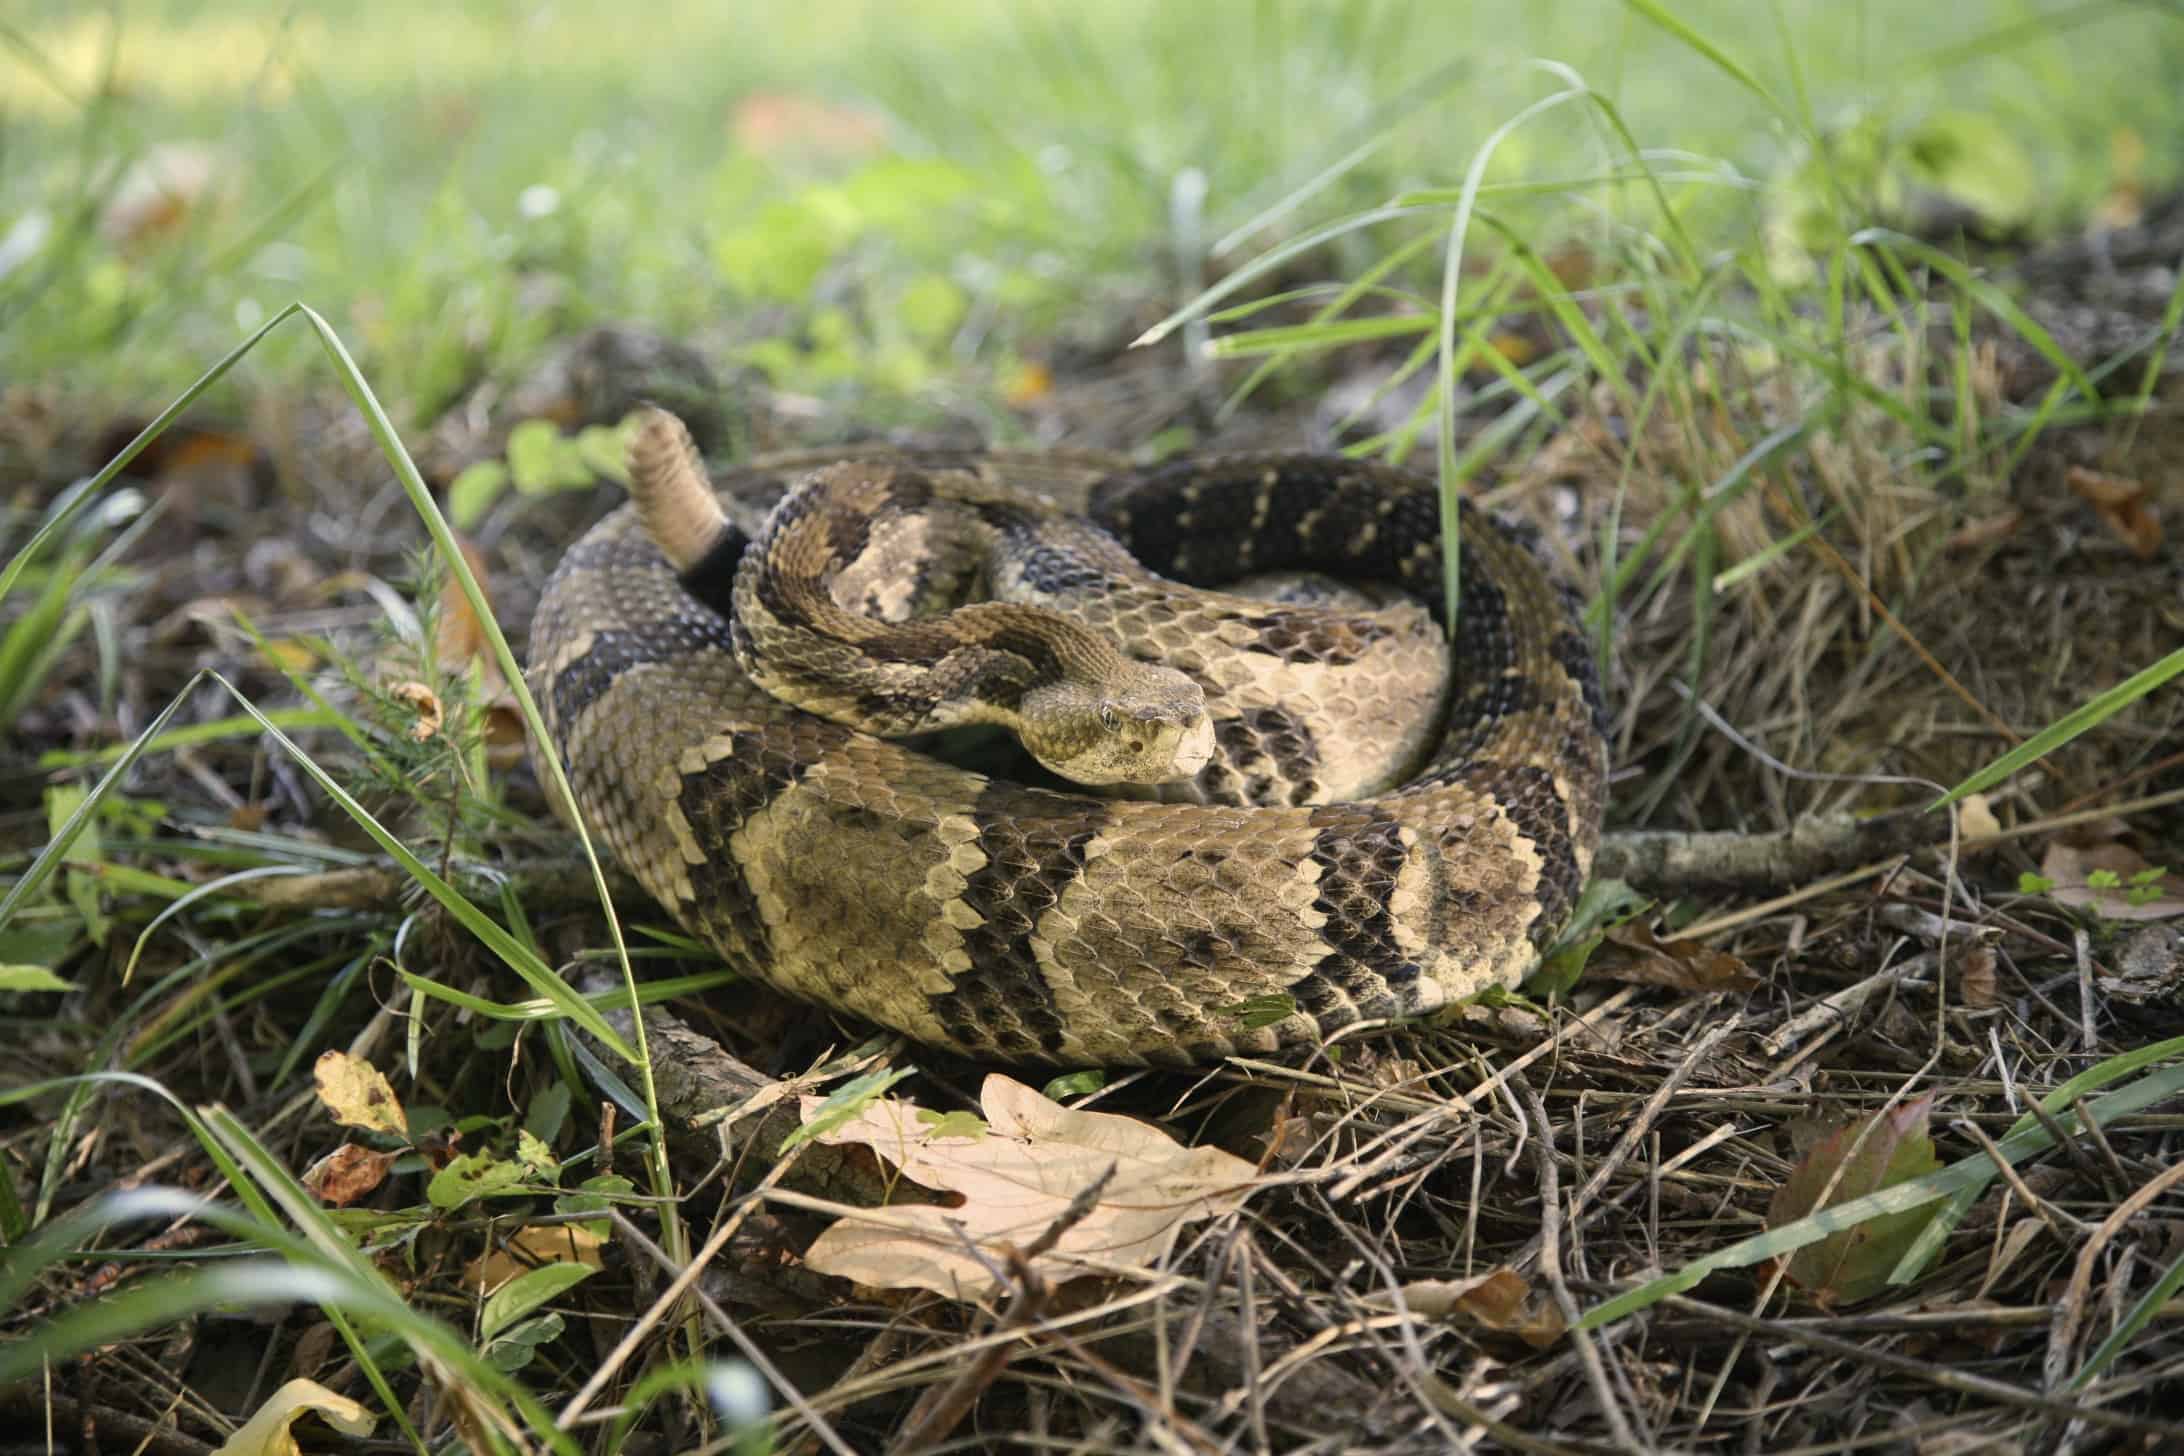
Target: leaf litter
1014,1176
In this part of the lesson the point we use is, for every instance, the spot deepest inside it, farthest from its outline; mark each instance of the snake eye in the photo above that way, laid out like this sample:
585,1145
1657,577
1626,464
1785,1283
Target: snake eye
1109,718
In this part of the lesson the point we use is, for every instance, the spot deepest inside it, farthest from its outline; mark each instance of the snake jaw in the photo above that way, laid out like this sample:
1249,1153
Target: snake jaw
1152,729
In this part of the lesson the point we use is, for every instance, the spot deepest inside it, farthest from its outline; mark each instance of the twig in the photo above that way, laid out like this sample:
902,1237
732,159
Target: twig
2070,1309
1947,1377
941,1409
1835,1009
1550,1264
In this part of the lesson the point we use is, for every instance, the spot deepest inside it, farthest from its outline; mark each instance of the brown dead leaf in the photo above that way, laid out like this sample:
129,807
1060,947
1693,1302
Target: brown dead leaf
1853,1263
1976,978
425,703
459,635
347,1174
528,1248
1014,1179
1631,953
1985,531
775,123
1030,383
2125,504
268,1432
2113,880
161,190
1500,1300
357,1094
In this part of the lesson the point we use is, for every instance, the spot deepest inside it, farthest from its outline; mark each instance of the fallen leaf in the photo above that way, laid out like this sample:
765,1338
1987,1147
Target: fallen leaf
2124,504
347,1174
1976,979
771,123
161,189
1851,1264
459,635
2112,880
357,1095
533,1246
1014,1180
1975,818
1027,385
1501,1300
1632,954
267,1433
425,703
1985,531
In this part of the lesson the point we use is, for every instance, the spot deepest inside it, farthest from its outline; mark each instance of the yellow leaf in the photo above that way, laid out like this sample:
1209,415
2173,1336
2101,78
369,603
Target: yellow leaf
531,1247
267,1433
357,1095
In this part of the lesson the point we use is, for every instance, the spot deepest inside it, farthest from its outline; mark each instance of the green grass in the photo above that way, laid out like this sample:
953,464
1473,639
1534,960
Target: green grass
377,159
1402,174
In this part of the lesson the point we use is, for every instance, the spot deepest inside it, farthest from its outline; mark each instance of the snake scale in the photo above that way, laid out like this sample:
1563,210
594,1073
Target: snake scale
1012,921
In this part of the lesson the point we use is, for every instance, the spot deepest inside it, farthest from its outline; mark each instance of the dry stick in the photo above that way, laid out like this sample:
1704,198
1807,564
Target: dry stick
1550,1262
2046,1212
1833,1010
1247,1294
1411,1130
2089,1037
685,1278
936,1414
2070,1309
2093,1129
2067,1142
1946,1377
1643,1121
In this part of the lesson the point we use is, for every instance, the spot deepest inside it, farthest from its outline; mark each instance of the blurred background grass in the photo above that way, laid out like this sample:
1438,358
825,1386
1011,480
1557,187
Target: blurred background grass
878,197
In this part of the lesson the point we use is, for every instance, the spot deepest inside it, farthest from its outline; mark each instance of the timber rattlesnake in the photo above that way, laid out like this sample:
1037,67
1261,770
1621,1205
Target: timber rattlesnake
1020,923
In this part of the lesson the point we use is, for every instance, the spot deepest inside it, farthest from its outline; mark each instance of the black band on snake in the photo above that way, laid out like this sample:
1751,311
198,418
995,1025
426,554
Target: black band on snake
1391,842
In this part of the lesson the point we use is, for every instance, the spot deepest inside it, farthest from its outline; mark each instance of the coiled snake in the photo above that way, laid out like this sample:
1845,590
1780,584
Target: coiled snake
1016,922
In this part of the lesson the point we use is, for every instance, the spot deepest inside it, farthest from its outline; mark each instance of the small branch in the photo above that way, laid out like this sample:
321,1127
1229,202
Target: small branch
942,1408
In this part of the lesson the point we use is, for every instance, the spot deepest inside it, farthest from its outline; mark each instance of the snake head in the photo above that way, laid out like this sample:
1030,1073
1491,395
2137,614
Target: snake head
1149,726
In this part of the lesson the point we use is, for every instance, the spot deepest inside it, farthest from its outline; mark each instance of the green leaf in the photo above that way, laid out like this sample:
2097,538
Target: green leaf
519,1347
526,1292
32,978
1254,1012
538,1159
541,460
64,804
1601,906
471,494
1869,1155
548,1113
1074,1084
958,1123
2029,883
471,1177
595,1195
844,1103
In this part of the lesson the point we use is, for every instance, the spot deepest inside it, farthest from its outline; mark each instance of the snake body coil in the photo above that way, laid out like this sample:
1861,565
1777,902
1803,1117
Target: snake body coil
1028,924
